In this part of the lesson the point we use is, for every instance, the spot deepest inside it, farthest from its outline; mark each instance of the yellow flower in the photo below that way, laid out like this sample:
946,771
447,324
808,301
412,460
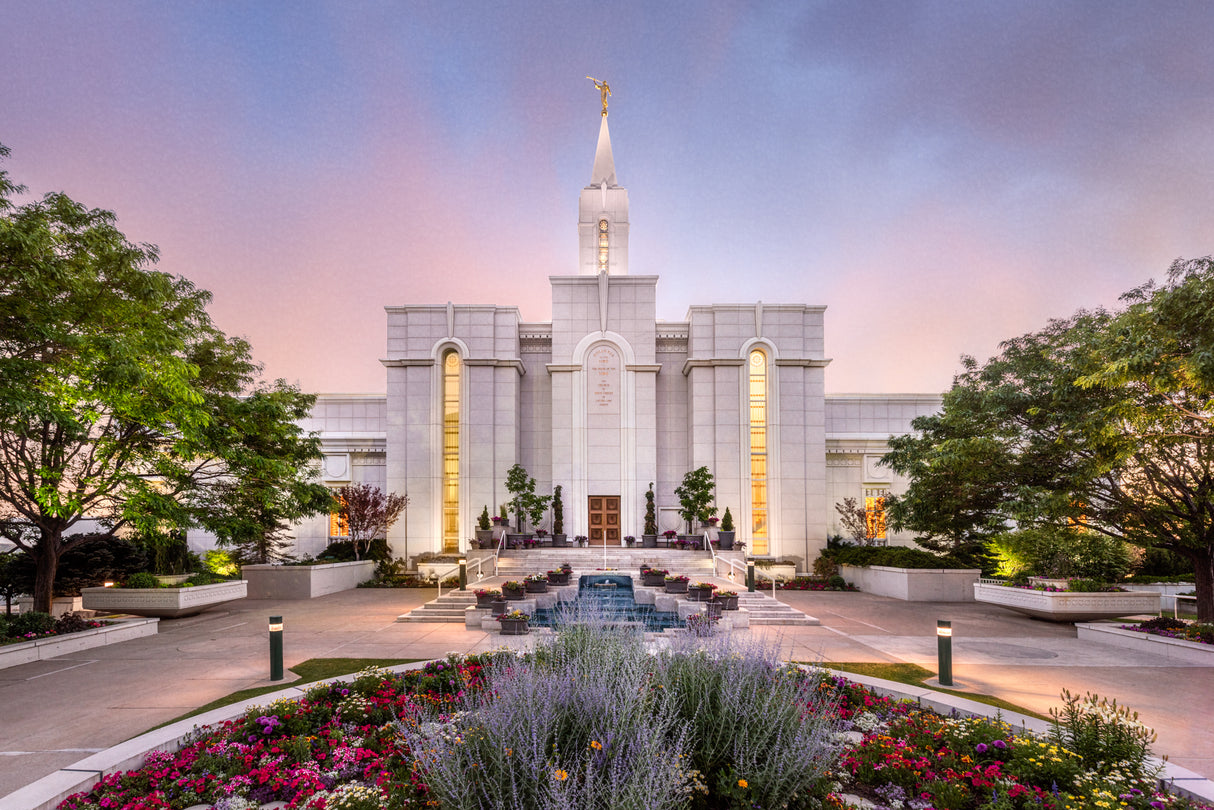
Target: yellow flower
560,775
742,783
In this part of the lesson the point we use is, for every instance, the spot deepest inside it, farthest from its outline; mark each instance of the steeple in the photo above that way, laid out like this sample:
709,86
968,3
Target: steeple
603,211
604,163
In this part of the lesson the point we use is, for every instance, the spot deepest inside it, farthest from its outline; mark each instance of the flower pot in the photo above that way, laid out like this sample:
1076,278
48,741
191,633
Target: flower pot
561,578
692,541
725,540
560,541
484,537
649,541
516,540
700,594
653,580
535,587
512,596
726,602
487,601
676,587
498,605
514,627
713,609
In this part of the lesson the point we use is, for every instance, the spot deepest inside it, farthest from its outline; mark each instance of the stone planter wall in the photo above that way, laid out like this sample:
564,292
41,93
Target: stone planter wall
914,584
1174,649
164,603
43,648
59,605
305,581
780,572
1062,606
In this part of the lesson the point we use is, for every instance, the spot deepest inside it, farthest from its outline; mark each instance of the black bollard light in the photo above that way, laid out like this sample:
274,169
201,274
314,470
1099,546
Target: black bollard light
750,575
463,573
276,648
944,651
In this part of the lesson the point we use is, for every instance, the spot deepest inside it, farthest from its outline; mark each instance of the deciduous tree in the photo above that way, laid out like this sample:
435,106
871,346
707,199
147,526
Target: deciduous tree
369,513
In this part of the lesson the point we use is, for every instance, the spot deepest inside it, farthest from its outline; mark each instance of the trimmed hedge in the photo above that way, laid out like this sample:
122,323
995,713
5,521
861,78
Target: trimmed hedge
894,557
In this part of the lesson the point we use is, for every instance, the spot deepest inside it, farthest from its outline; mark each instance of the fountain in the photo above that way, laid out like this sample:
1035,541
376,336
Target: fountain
608,598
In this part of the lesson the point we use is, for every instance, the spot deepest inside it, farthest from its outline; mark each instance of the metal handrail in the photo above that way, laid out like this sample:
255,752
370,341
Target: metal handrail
716,558
1175,597
455,569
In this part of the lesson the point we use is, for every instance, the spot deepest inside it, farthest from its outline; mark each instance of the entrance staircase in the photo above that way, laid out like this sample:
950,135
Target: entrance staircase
696,565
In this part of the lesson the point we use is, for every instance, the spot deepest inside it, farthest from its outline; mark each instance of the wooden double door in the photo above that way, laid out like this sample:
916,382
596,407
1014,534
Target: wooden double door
605,520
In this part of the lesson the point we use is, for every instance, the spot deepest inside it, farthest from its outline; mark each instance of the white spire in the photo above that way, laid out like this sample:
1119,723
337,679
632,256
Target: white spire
604,163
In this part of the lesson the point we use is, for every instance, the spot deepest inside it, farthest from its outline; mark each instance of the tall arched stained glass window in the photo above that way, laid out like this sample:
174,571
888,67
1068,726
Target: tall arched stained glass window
451,379
758,452
603,246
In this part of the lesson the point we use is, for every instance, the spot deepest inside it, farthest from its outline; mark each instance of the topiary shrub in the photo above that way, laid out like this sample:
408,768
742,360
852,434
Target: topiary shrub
141,579
837,581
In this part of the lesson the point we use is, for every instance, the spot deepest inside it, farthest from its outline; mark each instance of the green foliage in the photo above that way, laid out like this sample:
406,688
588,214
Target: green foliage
167,552
1103,734
727,521
121,401
893,556
483,523
369,513
141,579
344,551
1061,551
558,511
31,622
1102,419
220,562
92,560
651,514
695,497
525,504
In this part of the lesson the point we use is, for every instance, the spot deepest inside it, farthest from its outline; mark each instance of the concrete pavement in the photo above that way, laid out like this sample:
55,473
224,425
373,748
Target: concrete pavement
54,713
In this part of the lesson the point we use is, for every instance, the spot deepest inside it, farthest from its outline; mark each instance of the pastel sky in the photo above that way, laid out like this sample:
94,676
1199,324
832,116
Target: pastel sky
941,175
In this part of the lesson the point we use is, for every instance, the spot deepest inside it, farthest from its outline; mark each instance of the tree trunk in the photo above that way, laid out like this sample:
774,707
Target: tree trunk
1204,566
46,563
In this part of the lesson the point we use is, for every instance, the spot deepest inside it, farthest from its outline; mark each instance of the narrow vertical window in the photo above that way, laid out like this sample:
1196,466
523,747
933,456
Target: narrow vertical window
451,380
603,246
874,515
339,527
758,452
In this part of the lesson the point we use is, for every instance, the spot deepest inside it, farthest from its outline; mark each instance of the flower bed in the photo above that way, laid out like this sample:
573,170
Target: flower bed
499,726
816,584
52,644
1066,606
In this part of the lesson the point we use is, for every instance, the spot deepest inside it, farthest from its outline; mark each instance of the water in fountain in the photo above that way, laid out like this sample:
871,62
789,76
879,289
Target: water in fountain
607,597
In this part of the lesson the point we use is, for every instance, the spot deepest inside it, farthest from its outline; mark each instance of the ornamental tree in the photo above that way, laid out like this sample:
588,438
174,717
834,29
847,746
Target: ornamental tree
1076,425
122,406
695,497
369,513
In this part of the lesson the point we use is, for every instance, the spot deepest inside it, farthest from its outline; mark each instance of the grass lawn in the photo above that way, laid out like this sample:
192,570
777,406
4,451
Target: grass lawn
915,675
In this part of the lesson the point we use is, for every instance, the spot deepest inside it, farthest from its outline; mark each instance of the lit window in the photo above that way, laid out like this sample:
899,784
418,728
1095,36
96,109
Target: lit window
451,380
758,452
602,245
874,513
339,525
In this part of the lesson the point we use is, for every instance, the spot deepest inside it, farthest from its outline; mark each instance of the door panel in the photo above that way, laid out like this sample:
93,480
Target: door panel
604,520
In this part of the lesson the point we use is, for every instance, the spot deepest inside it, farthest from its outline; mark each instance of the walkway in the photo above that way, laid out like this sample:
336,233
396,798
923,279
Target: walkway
53,713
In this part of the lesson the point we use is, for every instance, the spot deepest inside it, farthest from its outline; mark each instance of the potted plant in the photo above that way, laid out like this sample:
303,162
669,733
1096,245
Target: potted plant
567,568
558,577
629,540
536,583
728,600
514,623
649,538
695,497
727,533
541,537
581,540
675,583
654,577
559,539
486,596
512,590
700,591
484,529
669,534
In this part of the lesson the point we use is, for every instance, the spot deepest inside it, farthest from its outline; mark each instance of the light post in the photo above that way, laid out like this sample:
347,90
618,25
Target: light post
463,573
750,574
276,648
944,651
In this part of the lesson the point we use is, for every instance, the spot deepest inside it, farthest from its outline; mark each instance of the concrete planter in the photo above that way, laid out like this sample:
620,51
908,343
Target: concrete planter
165,603
781,572
59,604
1063,606
914,584
305,581
43,648
1174,649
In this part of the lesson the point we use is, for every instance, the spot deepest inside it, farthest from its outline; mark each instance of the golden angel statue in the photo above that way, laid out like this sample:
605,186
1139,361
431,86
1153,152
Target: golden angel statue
604,91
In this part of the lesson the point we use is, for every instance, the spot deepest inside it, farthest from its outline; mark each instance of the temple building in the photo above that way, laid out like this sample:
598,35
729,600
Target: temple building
604,400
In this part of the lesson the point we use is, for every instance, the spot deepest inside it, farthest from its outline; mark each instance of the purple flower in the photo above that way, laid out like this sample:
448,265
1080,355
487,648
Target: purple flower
1158,805
981,748
1000,744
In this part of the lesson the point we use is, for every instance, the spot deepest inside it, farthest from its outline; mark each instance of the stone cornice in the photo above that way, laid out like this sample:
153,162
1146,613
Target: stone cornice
804,362
711,362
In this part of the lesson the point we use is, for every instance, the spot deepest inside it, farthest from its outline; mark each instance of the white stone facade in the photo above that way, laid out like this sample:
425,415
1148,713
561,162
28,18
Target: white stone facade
606,399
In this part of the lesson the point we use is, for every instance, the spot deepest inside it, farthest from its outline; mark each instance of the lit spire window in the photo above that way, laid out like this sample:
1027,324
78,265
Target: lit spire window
603,246
758,452
451,379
